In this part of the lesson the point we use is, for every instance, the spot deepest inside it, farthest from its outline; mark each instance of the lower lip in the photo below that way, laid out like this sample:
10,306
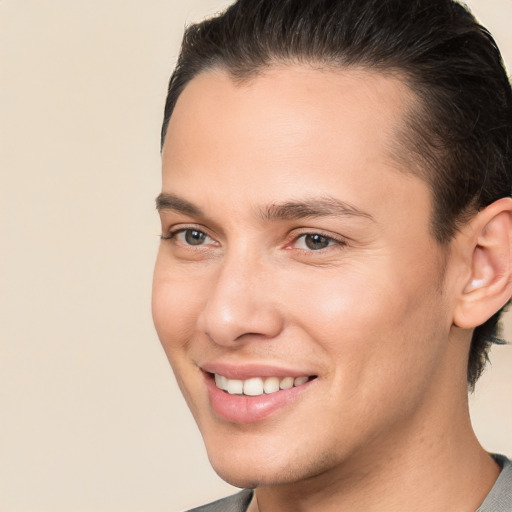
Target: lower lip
250,409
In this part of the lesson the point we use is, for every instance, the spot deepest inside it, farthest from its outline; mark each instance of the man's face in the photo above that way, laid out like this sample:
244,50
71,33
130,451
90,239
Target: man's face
296,248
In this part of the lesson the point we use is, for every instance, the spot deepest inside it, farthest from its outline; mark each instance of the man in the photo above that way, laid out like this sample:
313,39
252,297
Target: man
336,251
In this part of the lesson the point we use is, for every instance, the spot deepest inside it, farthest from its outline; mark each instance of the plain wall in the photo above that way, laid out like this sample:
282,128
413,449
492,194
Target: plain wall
90,415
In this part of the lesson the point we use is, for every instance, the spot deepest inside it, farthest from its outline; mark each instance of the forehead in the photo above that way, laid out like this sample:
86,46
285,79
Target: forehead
354,108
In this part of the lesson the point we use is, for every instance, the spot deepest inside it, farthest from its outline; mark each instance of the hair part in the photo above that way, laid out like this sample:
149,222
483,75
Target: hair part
457,136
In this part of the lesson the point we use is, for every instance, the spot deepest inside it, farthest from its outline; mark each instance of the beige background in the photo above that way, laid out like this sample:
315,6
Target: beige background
90,417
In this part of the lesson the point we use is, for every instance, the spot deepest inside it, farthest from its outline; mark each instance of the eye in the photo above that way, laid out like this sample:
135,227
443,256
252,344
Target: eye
188,236
192,236
313,241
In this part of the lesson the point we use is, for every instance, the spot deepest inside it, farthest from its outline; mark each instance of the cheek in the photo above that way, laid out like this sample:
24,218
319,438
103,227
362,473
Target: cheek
376,320
381,339
175,306
346,302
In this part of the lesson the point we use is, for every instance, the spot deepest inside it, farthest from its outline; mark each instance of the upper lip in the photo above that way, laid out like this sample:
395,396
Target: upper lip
248,370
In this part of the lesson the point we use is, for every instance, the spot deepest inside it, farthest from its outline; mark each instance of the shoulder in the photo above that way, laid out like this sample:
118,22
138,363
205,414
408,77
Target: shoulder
236,503
500,497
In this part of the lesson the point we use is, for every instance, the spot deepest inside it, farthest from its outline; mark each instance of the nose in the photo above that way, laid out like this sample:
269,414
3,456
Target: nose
242,303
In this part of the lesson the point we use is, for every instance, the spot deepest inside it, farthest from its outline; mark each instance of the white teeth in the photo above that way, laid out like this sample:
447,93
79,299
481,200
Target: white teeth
235,387
271,385
253,387
221,381
287,383
300,380
256,386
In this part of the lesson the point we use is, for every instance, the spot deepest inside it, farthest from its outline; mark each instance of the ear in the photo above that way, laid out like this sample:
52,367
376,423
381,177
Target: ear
487,281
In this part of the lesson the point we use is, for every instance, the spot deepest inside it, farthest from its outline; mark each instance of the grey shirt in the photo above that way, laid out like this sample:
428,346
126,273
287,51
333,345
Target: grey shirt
499,498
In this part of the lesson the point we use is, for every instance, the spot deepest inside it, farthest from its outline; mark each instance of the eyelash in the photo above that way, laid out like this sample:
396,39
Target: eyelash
332,241
174,233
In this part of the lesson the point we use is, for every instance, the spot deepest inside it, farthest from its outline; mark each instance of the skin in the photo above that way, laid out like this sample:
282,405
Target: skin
373,314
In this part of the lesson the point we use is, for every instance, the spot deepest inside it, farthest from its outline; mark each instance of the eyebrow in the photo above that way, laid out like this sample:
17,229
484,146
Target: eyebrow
312,207
300,209
171,202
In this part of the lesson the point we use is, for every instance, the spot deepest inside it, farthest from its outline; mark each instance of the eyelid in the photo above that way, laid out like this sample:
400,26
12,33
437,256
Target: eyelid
171,232
338,240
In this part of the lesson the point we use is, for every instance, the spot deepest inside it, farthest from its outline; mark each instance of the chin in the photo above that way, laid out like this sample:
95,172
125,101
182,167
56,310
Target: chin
247,464
249,477
236,479
265,463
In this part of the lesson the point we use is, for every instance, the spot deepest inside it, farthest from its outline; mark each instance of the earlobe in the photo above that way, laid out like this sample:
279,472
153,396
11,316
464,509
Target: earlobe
488,282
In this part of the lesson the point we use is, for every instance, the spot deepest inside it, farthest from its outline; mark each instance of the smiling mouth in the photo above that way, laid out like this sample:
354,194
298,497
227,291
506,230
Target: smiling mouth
257,386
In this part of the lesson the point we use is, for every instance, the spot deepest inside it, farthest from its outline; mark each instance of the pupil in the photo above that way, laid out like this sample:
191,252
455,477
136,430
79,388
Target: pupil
316,242
194,237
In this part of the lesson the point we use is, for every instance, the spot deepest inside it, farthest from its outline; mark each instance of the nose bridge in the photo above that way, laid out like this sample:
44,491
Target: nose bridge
240,301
